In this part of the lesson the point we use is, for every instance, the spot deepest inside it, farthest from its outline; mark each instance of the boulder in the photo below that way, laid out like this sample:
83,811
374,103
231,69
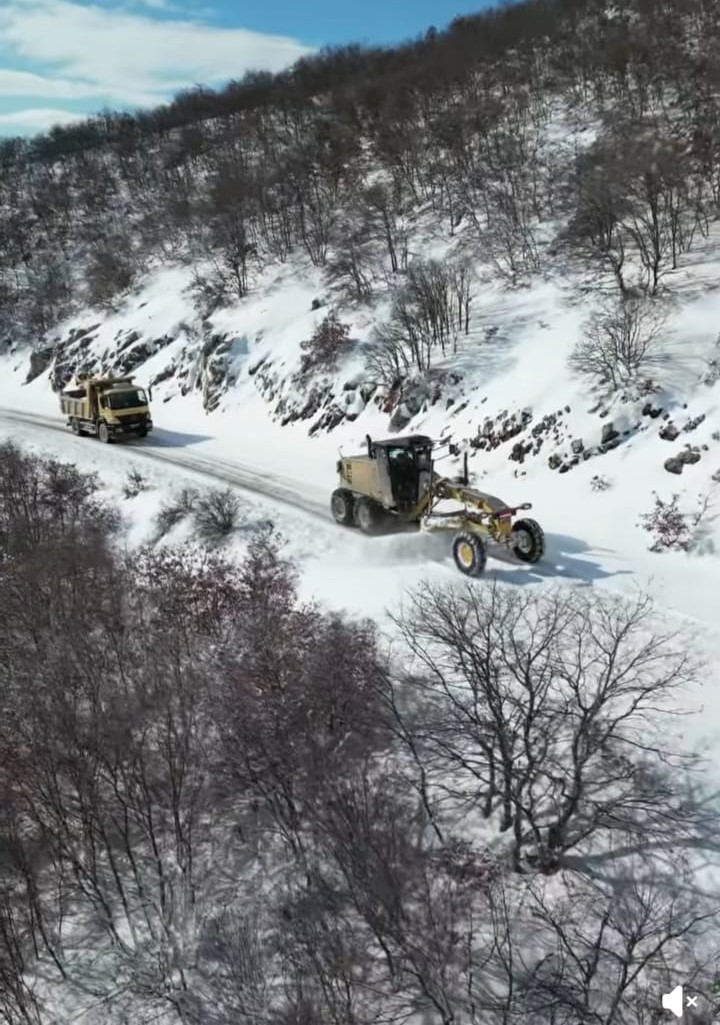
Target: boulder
40,360
609,433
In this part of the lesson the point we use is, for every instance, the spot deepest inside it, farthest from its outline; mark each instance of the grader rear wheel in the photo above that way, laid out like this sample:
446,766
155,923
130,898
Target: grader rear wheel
369,515
470,554
342,507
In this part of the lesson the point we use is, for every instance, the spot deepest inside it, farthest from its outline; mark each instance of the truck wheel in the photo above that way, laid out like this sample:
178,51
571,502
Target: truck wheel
469,553
142,433
342,507
527,541
369,515
103,432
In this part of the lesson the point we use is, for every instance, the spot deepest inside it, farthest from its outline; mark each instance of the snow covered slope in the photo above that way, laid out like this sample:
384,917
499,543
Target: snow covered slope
228,403
228,387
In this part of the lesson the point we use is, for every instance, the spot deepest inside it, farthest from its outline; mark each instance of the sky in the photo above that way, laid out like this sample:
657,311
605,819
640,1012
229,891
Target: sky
61,60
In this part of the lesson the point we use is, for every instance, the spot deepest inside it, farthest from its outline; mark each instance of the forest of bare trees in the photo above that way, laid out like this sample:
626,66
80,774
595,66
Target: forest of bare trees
339,159
221,804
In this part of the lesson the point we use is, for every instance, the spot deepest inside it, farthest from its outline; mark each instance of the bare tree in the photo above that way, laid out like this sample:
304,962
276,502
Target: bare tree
430,313
596,228
616,944
621,342
532,708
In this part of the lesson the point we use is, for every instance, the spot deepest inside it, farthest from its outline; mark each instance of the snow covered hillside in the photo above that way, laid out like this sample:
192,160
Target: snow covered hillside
589,459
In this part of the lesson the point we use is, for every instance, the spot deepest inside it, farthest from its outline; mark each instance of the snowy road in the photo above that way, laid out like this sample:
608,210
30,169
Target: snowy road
270,485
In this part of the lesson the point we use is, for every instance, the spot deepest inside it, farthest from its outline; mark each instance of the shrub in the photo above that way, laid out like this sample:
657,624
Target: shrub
668,524
134,484
600,483
176,510
216,515
677,530
330,341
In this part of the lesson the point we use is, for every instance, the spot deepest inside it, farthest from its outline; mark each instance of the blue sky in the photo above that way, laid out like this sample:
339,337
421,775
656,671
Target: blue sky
62,59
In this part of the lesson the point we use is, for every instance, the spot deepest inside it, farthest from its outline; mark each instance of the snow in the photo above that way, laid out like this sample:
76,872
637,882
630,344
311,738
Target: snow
595,538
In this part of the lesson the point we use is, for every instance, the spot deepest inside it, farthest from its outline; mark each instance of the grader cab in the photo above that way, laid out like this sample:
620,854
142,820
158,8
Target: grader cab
395,481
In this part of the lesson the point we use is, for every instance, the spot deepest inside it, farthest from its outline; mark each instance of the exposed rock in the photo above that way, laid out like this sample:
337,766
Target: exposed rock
261,363
164,375
554,461
673,465
608,446
689,455
413,395
76,333
132,336
142,352
577,446
609,433
40,360
691,425
517,453
318,397
712,374
329,419
669,432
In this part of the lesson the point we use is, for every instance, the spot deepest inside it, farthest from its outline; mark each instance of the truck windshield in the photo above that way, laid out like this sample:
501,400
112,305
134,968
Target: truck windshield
126,399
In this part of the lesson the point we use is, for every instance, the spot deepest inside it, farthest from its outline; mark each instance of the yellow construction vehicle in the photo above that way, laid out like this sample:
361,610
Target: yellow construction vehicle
108,407
395,480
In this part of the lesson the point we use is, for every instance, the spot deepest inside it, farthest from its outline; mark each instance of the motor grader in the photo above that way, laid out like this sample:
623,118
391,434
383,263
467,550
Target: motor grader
395,481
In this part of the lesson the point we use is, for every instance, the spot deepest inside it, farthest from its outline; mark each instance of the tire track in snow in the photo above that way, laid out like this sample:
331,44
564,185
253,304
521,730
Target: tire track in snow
268,485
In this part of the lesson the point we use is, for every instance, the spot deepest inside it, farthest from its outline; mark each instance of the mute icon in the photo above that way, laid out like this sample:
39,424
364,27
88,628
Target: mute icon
674,1001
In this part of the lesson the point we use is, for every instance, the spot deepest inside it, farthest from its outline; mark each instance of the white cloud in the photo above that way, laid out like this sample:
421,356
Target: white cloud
27,83
37,119
130,58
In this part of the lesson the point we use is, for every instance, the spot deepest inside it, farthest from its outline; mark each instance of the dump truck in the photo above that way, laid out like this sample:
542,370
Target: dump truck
108,407
395,481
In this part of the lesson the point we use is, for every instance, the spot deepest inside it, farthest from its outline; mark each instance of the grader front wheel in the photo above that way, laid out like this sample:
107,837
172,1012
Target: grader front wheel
470,554
527,541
